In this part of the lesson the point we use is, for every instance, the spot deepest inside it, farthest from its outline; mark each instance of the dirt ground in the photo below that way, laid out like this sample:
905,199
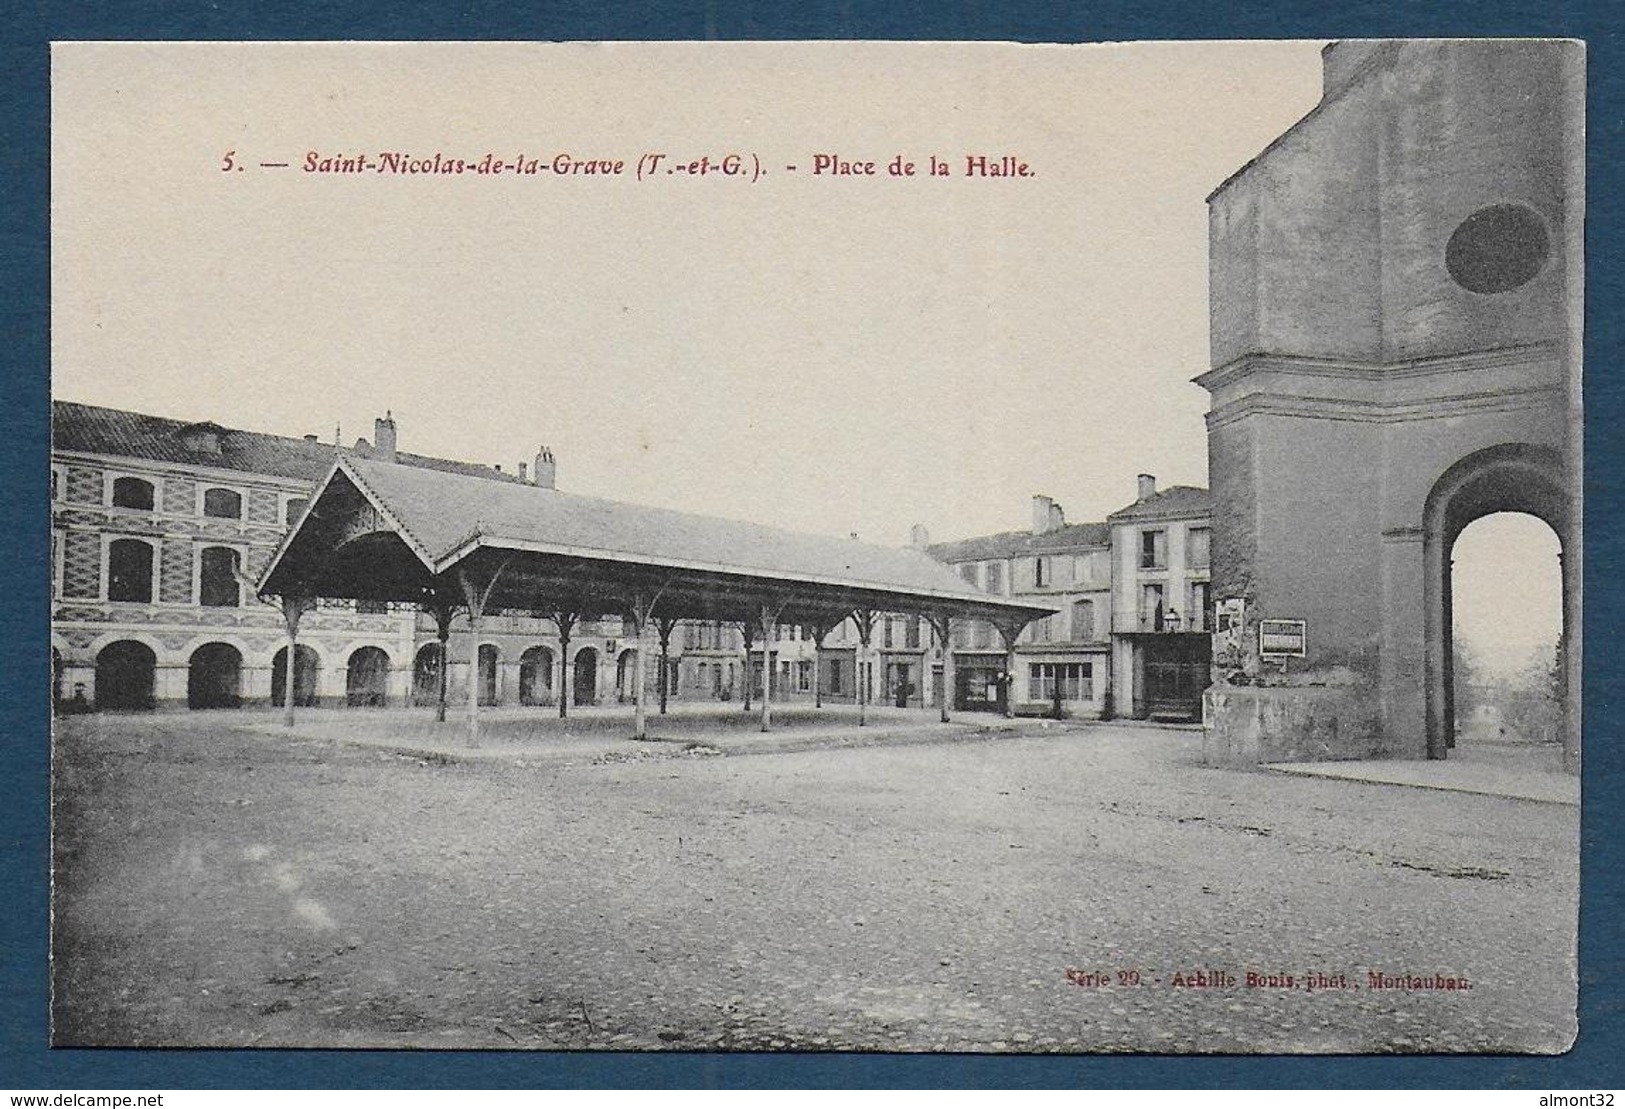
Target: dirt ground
363,882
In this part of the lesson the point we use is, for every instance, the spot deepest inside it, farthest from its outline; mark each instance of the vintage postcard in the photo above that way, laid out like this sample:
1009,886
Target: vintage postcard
817,547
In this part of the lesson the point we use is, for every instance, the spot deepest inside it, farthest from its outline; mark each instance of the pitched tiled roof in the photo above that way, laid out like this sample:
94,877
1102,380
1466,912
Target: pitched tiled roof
1176,500
1010,544
91,429
442,514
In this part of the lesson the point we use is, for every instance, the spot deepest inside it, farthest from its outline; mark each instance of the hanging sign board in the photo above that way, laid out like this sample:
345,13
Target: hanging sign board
1281,638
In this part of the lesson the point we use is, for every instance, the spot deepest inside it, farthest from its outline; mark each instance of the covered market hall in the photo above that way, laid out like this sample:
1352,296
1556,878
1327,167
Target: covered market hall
451,543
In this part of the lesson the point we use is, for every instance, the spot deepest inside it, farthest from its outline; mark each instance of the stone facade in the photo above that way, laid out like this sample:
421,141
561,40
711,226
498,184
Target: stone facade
1093,651
1394,304
1162,605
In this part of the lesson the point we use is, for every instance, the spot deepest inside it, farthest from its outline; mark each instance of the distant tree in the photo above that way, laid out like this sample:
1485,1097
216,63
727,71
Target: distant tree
1467,682
1532,705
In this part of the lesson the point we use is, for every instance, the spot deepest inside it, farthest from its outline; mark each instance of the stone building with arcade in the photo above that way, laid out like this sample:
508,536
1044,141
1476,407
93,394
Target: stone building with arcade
159,530
1395,289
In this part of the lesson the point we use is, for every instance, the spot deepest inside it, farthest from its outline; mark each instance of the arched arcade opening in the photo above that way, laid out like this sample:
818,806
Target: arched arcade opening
426,675
366,679
584,684
627,670
536,676
1506,635
306,668
126,676
214,677
490,690
1513,478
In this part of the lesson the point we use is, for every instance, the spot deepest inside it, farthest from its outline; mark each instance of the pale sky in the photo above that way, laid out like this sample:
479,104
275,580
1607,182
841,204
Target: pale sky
1507,591
816,353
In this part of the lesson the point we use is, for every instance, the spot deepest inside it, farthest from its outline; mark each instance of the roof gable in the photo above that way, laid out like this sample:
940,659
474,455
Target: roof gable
1174,501
445,519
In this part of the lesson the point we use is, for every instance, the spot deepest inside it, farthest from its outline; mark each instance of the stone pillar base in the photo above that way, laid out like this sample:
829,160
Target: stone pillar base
1251,725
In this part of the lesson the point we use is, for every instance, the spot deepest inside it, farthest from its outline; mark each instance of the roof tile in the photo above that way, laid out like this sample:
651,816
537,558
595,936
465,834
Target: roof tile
1176,500
444,512
92,429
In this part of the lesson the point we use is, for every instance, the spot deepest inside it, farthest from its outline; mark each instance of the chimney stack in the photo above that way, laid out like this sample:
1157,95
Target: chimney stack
918,537
1148,487
523,476
1043,514
1057,518
383,434
547,471
310,438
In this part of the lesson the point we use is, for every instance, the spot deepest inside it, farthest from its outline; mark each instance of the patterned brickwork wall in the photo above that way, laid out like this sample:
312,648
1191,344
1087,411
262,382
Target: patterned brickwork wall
258,558
81,564
180,495
262,506
84,485
175,573
206,527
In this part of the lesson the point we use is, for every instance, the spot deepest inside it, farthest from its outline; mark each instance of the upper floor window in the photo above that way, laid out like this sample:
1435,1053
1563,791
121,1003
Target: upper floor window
1151,607
1041,573
968,572
1083,621
132,492
129,571
911,632
1153,550
218,586
1200,609
995,577
294,509
1094,568
227,504
1197,548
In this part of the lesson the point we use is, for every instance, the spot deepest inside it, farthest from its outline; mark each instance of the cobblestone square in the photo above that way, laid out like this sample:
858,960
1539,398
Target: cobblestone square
365,882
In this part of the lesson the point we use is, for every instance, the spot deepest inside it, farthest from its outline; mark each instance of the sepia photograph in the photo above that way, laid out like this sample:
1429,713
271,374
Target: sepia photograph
878,547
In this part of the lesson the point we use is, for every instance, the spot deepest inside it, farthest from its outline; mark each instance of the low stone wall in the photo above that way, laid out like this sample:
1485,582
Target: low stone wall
1249,725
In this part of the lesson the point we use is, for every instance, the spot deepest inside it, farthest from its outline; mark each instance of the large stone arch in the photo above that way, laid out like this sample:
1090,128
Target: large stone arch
1508,477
